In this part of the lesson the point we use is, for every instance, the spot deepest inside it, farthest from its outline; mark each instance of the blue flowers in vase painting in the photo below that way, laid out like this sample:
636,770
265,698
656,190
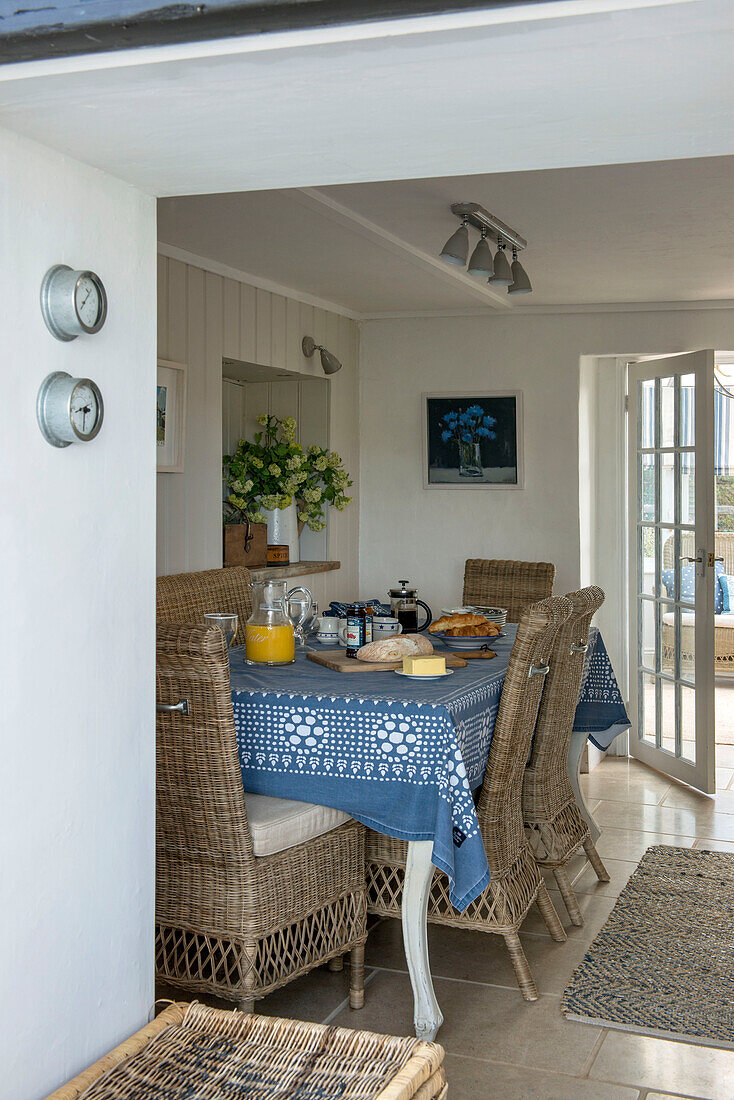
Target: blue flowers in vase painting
467,429
472,440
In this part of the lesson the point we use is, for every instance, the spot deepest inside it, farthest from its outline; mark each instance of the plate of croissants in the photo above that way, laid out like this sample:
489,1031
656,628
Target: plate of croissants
466,630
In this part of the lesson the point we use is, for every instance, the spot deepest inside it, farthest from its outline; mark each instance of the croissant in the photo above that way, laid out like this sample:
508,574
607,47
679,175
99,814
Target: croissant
470,631
450,622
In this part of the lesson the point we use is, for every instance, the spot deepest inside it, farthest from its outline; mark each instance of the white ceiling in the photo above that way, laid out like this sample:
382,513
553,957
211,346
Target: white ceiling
546,86
634,233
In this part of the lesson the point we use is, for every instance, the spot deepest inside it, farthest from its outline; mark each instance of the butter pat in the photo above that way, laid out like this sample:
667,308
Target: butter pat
424,666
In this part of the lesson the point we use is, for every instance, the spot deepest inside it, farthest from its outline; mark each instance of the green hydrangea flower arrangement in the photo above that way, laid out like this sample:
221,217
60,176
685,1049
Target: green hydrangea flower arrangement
274,470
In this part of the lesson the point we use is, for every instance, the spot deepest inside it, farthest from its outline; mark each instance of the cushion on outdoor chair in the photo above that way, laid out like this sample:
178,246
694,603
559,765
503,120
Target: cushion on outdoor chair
280,823
688,586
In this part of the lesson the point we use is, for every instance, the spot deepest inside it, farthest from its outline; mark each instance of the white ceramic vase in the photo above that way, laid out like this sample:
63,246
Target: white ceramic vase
283,529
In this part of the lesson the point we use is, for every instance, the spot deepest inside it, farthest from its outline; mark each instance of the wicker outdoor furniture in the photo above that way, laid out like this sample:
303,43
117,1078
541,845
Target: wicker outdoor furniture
192,1051
230,922
515,880
511,584
187,597
553,821
723,623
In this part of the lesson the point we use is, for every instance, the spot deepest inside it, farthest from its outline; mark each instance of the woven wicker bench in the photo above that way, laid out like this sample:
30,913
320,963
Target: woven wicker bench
190,1050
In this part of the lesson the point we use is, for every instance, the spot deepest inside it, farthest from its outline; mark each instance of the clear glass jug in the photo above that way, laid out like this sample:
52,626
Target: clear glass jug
269,632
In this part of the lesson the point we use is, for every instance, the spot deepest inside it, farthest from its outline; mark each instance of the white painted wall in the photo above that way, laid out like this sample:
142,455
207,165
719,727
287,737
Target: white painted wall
77,648
204,317
426,535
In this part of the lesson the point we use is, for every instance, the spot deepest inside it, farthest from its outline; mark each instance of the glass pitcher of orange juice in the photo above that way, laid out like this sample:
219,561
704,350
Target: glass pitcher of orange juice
269,633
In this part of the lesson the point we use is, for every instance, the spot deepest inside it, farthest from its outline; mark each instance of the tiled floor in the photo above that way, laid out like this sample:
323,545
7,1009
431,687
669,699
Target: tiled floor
497,1044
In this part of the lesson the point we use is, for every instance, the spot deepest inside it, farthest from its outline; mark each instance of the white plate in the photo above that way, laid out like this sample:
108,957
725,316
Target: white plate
416,676
454,642
456,610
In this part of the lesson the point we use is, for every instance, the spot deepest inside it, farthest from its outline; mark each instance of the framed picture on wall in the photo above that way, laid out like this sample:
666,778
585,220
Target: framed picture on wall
472,440
170,416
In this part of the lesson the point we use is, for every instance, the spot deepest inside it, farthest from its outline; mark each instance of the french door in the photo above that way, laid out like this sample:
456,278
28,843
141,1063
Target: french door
671,565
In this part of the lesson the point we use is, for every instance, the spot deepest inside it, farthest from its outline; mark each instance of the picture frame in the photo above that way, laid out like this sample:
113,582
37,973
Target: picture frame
484,450
170,417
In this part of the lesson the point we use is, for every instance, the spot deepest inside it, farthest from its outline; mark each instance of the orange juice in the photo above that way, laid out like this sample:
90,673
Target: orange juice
269,645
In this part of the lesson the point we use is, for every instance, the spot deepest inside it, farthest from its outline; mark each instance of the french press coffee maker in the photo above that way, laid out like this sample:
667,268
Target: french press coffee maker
404,607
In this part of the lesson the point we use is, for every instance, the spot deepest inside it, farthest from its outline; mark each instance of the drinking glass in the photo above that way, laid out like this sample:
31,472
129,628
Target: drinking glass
226,623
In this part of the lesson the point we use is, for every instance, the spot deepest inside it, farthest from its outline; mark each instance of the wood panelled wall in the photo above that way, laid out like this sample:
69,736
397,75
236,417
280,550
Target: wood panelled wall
204,318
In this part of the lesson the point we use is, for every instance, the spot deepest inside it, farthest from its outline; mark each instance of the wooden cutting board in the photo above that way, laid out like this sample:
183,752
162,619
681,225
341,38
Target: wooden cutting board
336,660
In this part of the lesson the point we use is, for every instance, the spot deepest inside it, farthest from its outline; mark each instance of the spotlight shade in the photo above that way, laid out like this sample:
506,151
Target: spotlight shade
502,275
481,259
520,282
329,362
456,249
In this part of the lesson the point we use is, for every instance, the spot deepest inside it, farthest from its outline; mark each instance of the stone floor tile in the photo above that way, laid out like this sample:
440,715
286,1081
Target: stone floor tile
724,779
631,844
725,756
714,846
662,1064
312,997
595,911
474,1079
692,820
703,804
482,1021
619,870
479,956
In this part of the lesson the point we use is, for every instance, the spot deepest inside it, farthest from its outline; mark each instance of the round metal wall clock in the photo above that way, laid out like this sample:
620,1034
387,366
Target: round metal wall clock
69,410
72,302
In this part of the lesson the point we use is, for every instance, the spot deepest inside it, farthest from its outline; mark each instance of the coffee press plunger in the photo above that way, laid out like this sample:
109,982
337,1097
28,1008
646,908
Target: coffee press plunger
404,607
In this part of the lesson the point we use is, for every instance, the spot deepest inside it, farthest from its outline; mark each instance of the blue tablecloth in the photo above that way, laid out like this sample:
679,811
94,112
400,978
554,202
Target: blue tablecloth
399,755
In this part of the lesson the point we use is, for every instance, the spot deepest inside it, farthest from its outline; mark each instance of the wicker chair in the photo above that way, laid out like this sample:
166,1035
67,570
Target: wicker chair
192,1051
723,624
187,597
511,584
231,922
515,880
554,825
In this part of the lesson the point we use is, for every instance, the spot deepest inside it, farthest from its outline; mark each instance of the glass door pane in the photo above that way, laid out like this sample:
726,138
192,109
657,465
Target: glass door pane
671,576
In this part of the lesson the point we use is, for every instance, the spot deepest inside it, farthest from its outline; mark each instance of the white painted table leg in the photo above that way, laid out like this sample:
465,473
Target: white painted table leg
418,875
575,751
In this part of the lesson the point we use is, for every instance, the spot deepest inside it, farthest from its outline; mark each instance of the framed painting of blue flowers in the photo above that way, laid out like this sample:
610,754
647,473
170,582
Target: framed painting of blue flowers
472,440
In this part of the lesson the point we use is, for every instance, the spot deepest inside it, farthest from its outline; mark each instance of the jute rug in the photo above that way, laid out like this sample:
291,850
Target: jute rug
663,963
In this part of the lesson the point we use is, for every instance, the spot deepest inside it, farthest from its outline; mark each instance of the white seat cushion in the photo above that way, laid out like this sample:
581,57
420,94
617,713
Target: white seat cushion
280,823
688,618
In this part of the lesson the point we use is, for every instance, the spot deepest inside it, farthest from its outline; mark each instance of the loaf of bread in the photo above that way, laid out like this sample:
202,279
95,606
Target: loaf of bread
394,649
450,622
425,645
486,630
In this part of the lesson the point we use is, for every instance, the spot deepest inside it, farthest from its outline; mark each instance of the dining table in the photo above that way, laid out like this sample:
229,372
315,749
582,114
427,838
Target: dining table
404,757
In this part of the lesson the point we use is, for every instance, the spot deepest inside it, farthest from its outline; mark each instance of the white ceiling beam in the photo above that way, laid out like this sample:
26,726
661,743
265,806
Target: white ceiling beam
345,216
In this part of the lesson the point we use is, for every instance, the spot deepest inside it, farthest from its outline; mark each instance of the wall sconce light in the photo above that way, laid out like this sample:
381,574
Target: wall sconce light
329,362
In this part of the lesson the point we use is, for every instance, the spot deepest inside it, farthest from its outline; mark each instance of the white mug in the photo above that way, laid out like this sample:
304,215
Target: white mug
384,625
328,632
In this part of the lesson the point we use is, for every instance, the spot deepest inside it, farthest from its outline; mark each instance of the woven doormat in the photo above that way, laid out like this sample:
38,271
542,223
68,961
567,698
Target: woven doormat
664,962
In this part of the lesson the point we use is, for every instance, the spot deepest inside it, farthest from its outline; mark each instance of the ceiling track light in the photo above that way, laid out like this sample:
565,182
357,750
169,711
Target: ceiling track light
329,362
497,270
520,283
481,258
456,249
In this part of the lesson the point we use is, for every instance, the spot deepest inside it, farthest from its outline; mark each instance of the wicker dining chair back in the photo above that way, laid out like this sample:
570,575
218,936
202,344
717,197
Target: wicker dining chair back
228,922
553,820
187,597
203,847
513,585
500,803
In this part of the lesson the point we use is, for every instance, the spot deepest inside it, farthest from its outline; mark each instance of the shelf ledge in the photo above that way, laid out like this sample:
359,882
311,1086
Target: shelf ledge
296,569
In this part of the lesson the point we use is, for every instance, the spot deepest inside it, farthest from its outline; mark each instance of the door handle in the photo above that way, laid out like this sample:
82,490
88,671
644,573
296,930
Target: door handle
712,559
685,557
